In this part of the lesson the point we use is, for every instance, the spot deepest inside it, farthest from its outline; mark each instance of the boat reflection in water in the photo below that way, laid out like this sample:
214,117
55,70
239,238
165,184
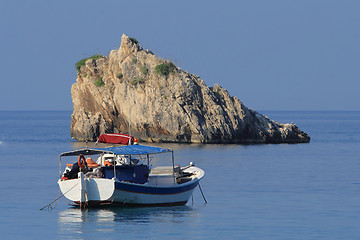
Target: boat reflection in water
81,223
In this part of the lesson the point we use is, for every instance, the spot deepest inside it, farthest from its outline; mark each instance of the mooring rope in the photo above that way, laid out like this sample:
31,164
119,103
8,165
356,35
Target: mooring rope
202,192
58,196
49,205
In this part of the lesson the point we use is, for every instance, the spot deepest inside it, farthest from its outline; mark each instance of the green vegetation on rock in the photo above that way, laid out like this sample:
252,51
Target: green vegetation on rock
120,76
82,61
165,69
217,93
133,40
99,82
137,80
144,70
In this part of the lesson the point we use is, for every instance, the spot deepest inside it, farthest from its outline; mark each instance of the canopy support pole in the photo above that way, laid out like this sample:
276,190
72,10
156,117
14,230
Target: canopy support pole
60,167
173,166
114,169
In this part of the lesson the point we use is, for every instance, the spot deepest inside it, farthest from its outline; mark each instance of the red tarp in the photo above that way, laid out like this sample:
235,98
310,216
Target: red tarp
118,138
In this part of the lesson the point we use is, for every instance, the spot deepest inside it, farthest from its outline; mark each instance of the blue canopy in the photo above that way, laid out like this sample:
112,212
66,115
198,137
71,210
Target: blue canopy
125,150
134,150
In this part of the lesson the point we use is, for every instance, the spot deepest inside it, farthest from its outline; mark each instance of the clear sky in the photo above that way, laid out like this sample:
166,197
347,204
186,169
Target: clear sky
272,55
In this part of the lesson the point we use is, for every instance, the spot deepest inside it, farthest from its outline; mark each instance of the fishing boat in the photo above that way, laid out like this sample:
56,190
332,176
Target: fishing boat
126,176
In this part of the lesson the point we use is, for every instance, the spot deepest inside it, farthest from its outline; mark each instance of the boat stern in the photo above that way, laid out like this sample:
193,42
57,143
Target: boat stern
87,189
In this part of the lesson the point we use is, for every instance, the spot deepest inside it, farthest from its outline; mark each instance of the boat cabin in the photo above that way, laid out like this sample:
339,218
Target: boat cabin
123,167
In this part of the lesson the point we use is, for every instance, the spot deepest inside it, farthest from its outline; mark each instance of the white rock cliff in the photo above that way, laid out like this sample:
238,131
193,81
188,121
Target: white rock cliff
173,106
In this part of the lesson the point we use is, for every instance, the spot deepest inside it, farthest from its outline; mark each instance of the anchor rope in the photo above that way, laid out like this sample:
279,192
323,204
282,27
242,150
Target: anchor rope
49,205
202,192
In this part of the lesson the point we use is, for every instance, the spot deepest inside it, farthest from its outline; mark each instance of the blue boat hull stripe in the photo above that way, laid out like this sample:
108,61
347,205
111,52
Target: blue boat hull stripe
153,190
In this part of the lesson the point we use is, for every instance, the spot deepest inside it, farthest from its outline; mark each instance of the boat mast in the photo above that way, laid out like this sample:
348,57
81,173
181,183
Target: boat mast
129,143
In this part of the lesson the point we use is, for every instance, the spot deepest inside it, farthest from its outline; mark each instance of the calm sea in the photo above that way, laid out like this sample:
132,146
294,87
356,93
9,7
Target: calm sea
284,191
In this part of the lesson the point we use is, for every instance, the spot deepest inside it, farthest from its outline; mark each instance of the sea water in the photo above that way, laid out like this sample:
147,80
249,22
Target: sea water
267,191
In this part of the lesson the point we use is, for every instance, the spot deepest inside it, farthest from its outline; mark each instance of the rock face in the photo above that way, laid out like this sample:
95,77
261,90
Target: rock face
165,104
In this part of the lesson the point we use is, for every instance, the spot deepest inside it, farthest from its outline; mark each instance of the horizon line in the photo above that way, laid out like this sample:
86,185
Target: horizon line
263,110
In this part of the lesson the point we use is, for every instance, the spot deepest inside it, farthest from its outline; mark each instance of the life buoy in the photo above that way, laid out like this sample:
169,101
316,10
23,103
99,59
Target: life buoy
81,161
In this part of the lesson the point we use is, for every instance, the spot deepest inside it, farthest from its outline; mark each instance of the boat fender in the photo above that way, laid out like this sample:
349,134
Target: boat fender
81,161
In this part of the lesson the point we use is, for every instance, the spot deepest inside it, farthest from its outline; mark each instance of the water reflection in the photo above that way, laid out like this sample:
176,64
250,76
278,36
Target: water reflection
75,221
76,215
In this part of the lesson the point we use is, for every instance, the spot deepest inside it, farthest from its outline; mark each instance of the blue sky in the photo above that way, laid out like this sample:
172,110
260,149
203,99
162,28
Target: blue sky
272,55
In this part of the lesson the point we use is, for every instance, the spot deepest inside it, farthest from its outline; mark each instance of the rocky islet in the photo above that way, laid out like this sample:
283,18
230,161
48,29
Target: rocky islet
165,103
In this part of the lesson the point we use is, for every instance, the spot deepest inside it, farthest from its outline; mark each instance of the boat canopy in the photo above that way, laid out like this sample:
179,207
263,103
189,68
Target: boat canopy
124,150
84,151
134,150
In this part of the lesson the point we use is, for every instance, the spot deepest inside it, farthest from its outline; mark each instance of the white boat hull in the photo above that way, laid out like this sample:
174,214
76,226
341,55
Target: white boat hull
95,191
